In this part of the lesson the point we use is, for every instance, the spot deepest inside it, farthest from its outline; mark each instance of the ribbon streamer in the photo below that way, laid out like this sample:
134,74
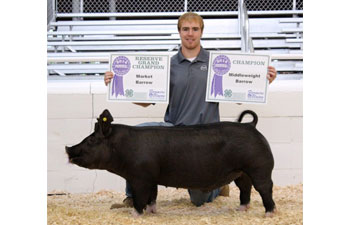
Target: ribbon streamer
117,86
216,85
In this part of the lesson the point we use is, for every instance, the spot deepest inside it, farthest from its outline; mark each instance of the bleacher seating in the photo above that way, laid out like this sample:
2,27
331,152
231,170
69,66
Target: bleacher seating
83,47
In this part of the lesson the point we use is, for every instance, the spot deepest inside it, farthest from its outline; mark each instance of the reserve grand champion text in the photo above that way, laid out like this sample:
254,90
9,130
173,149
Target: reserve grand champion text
148,62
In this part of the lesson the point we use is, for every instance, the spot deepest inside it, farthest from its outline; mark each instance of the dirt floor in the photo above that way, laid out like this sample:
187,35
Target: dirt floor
174,207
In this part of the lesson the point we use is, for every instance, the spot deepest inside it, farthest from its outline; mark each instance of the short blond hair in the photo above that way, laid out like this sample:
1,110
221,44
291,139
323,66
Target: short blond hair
190,16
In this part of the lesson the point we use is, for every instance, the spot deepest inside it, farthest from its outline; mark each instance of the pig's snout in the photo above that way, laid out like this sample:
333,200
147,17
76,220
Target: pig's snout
69,150
72,153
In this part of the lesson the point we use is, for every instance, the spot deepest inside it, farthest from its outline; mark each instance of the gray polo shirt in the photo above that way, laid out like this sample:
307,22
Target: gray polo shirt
188,83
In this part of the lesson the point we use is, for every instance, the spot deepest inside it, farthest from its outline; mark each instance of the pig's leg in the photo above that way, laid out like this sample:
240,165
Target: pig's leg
151,204
245,186
141,194
263,184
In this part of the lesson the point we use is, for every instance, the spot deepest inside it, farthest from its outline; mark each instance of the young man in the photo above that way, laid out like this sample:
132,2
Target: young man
188,82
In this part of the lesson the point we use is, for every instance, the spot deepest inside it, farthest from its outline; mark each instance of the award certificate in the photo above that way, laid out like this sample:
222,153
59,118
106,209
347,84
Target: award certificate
139,77
239,78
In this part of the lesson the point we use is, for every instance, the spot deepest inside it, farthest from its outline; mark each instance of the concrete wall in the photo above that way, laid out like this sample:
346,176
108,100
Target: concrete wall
73,107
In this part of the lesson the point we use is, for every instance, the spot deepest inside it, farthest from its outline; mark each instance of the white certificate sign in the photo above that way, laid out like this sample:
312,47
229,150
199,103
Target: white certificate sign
234,77
139,77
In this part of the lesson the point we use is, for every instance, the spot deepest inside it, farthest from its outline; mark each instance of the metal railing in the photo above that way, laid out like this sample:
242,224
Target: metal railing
246,40
50,12
155,6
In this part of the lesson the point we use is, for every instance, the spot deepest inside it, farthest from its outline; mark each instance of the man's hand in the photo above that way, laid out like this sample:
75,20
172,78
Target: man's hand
271,74
108,77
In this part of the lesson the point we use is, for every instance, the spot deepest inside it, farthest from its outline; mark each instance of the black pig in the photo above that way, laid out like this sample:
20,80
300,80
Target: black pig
201,157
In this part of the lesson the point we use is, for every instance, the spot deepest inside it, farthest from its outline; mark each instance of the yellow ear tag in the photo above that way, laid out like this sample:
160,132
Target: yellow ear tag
104,119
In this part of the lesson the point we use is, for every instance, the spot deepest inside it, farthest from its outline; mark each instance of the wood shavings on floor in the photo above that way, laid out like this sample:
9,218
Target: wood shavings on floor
174,207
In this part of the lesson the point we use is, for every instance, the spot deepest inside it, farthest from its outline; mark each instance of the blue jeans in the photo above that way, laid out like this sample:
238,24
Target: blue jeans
197,197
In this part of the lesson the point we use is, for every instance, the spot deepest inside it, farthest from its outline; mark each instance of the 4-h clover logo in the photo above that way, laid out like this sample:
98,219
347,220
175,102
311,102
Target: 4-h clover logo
228,93
129,93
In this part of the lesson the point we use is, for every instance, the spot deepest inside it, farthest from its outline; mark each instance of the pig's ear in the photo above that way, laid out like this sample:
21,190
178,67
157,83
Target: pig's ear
104,122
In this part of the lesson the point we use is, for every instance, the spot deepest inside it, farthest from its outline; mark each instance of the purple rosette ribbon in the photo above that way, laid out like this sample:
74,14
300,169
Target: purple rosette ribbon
221,65
120,66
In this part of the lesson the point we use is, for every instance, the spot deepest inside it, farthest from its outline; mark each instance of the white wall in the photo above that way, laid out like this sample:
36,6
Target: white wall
73,107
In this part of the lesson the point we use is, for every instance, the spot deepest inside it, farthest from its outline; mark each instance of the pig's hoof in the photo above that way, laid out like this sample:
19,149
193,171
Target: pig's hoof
271,214
151,208
135,214
243,208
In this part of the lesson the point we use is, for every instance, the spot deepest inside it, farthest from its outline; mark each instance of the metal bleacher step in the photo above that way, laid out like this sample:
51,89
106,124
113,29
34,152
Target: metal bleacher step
83,47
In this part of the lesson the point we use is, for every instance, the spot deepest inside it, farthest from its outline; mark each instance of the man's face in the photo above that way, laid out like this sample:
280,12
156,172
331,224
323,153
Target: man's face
190,34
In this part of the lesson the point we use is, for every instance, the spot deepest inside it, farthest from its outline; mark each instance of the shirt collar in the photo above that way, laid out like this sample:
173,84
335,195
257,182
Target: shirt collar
202,56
